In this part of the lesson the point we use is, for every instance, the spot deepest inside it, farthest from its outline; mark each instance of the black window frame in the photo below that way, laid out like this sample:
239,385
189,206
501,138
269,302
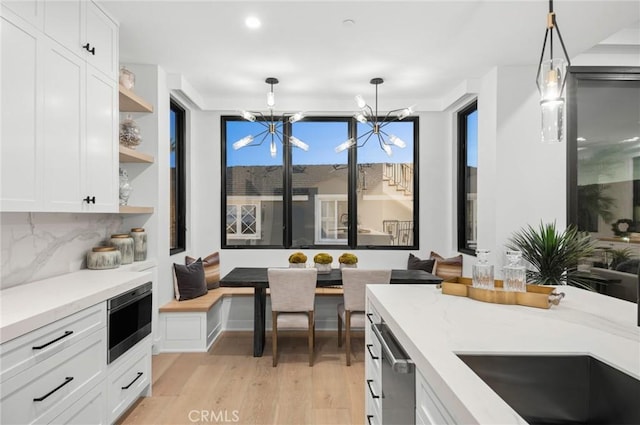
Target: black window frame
462,116
351,190
180,184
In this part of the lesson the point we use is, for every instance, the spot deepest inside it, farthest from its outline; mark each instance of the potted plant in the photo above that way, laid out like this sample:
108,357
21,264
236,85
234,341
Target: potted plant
553,255
348,260
323,262
297,260
619,256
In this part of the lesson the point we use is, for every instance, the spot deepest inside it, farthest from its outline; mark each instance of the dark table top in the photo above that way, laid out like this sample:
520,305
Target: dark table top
256,277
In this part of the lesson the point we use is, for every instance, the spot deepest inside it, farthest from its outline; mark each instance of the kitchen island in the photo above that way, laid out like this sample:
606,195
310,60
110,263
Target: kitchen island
434,328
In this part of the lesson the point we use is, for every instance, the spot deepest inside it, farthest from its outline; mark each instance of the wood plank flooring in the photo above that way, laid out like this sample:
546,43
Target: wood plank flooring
229,385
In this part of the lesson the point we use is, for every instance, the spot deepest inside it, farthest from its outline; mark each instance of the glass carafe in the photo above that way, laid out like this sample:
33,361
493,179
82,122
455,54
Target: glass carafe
482,271
515,274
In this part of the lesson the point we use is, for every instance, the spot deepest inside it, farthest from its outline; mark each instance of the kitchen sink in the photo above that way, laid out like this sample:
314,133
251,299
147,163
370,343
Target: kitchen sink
560,389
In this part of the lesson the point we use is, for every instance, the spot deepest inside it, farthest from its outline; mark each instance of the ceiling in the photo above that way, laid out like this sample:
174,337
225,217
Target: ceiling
423,49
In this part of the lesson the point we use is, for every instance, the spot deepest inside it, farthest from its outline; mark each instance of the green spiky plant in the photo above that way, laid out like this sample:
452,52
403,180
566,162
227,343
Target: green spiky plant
553,255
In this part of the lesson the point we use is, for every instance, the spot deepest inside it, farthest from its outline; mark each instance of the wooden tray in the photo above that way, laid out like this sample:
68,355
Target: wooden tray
536,296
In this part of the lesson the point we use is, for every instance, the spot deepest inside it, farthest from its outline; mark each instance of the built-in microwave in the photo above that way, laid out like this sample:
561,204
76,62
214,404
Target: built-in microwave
128,320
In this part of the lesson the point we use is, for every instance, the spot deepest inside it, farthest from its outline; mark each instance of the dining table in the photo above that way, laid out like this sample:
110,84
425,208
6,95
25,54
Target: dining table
257,278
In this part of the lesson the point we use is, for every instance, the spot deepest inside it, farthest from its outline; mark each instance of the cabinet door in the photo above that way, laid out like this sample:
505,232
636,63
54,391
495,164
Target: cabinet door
62,23
101,144
32,11
20,159
63,86
101,34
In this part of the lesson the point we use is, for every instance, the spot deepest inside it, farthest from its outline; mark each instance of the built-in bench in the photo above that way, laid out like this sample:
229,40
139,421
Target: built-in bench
193,325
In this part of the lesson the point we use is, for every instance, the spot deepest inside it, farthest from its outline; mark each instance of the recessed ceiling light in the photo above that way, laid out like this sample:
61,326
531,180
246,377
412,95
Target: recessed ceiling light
252,22
581,139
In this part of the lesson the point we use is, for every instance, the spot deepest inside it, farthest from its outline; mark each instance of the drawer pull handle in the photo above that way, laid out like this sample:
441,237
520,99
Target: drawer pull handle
131,383
40,347
66,381
369,316
369,417
373,356
369,381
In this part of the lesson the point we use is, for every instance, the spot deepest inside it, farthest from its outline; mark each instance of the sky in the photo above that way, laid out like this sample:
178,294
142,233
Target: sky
322,138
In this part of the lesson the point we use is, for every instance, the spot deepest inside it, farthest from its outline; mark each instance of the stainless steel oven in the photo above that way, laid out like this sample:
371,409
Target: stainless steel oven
398,379
128,320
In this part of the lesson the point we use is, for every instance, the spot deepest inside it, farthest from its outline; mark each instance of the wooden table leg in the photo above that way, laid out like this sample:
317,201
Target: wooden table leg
259,311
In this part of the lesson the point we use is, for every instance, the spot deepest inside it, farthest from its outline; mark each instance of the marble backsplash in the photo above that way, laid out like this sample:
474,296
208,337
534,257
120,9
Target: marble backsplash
40,245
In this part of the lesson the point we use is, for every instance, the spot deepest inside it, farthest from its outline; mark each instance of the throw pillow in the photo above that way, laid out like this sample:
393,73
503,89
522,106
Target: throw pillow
447,267
211,265
188,281
629,266
415,263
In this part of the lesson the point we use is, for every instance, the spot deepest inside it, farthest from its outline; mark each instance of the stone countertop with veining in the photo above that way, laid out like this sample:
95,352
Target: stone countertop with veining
433,328
24,308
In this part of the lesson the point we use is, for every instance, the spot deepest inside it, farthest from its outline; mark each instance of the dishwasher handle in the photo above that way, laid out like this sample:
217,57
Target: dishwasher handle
398,365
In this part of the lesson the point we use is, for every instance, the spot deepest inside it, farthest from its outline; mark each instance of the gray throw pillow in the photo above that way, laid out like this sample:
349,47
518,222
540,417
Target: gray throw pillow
415,263
189,281
629,266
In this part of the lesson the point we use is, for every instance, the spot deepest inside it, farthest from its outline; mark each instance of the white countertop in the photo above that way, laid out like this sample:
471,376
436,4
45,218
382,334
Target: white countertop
24,308
433,328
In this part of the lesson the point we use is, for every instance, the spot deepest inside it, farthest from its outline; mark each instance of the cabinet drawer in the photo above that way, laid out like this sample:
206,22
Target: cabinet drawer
91,409
53,385
429,408
129,378
37,346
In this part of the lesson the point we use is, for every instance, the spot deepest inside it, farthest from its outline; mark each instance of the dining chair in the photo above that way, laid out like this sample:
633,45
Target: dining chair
293,294
351,311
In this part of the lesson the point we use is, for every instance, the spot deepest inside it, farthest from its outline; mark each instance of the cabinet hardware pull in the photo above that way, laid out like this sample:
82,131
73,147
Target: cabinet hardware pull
369,417
40,347
373,356
90,199
66,381
369,381
131,383
369,316
90,49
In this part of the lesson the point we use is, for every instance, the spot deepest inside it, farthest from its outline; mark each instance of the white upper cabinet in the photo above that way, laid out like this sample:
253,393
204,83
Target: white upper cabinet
59,113
20,152
84,29
32,11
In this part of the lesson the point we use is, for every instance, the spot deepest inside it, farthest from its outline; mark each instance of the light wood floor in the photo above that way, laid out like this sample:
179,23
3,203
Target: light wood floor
229,385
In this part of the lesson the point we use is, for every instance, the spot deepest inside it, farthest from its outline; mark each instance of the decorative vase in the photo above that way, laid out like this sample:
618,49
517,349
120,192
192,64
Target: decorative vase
348,266
103,258
125,187
297,265
139,244
129,133
323,268
127,78
123,243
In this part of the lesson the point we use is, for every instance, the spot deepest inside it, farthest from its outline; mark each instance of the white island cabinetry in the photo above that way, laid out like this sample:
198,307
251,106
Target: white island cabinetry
434,328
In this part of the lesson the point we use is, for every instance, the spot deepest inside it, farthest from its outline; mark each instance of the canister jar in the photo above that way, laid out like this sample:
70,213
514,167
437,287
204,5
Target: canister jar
124,243
139,244
103,257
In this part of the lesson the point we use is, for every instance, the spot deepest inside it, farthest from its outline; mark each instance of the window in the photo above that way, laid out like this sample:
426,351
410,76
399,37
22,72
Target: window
468,179
177,197
318,198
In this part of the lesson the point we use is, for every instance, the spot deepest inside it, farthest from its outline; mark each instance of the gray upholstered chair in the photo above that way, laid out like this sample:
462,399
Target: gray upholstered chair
293,294
351,312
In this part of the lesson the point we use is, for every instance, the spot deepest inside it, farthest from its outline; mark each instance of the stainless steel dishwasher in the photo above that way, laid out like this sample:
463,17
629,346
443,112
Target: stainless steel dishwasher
398,379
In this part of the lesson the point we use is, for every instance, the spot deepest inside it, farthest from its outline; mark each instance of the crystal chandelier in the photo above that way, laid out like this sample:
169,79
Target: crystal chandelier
369,116
550,80
272,124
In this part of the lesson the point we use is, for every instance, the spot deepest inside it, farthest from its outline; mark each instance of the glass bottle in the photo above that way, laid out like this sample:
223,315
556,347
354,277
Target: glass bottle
482,271
515,274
